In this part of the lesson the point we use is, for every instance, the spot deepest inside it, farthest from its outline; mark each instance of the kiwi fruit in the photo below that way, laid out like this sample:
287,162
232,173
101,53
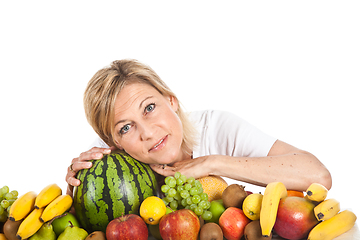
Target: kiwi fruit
11,228
252,231
97,235
211,231
234,195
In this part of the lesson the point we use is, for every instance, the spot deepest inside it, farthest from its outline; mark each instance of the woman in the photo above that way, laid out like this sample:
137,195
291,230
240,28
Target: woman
132,109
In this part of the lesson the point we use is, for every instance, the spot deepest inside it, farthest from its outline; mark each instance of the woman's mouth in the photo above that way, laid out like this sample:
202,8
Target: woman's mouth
159,145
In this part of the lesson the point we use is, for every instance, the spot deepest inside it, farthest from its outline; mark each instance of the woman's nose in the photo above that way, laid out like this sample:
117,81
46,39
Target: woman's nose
146,132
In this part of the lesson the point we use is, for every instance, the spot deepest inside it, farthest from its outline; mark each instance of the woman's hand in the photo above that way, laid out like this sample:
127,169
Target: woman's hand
82,162
197,167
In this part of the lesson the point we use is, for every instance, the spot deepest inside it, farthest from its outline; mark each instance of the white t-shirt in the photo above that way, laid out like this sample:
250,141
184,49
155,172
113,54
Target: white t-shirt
223,133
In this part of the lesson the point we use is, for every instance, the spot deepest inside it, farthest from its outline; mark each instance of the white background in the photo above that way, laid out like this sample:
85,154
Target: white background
291,68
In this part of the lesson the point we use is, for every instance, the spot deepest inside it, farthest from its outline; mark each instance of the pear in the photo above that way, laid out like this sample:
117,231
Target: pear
46,232
73,232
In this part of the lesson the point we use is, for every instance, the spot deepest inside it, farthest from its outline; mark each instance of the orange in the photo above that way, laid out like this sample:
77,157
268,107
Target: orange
213,186
295,193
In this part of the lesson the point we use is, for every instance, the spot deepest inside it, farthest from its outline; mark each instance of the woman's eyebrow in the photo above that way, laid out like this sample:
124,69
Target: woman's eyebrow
121,121
140,106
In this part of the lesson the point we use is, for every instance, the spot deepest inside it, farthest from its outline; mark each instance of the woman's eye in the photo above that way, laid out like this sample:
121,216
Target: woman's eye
149,108
125,129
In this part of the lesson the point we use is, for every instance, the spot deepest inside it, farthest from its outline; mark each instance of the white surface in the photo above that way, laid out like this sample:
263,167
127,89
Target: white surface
289,68
352,234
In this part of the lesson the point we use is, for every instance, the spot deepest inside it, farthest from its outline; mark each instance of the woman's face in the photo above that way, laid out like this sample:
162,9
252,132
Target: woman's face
146,125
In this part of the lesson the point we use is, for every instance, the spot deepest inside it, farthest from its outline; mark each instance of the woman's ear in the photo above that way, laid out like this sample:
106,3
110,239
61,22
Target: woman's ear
118,145
174,103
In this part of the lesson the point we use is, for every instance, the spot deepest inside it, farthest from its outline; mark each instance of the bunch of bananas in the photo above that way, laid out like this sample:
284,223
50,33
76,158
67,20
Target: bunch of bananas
332,223
35,209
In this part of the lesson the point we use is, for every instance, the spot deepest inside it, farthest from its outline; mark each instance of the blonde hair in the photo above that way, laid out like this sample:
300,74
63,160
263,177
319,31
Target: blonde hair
106,84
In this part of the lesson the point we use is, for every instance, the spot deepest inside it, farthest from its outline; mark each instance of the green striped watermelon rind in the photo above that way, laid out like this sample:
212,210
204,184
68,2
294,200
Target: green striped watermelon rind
101,197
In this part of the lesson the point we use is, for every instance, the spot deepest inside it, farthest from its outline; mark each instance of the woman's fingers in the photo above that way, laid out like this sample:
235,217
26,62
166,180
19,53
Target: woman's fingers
78,165
163,170
190,168
70,177
73,169
92,154
69,190
83,162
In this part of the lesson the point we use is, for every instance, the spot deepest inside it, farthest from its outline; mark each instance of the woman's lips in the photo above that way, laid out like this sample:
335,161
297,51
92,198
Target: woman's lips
159,145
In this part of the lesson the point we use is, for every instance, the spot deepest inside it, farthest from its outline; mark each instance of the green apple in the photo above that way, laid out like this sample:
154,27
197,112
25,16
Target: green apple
59,224
216,208
155,231
168,210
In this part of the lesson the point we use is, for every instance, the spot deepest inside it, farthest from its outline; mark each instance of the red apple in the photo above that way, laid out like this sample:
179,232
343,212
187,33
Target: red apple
249,192
295,218
179,225
129,226
233,222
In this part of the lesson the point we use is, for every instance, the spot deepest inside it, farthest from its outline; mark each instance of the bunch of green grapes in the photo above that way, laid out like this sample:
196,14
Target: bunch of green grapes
182,192
6,200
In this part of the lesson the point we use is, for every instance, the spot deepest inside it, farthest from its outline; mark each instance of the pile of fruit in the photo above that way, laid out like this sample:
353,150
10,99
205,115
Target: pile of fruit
187,208
184,212
243,214
33,216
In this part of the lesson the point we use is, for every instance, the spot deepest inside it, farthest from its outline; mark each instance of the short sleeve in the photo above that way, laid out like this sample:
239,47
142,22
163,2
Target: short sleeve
99,143
225,133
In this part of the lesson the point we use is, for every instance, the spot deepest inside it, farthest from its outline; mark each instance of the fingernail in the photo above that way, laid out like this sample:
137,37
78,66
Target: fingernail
98,156
107,151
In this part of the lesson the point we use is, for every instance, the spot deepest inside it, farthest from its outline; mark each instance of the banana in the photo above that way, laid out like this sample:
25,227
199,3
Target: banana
316,192
273,193
56,207
30,225
327,209
333,227
47,195
22,206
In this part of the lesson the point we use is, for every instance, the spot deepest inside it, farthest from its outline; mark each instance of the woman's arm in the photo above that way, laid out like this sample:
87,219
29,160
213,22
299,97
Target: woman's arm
297,169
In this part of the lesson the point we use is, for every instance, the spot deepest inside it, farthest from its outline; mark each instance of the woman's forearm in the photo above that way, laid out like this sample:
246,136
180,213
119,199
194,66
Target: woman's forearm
296,169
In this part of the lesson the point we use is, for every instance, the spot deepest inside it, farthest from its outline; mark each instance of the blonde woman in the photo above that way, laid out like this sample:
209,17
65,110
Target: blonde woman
132,109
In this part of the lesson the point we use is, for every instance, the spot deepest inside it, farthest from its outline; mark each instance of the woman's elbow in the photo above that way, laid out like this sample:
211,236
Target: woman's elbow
324,178
320,174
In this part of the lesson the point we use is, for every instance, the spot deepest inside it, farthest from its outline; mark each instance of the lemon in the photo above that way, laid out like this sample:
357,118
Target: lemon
152,209
252,206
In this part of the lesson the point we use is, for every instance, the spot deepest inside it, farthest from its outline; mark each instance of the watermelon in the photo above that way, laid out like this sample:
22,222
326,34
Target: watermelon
114,186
